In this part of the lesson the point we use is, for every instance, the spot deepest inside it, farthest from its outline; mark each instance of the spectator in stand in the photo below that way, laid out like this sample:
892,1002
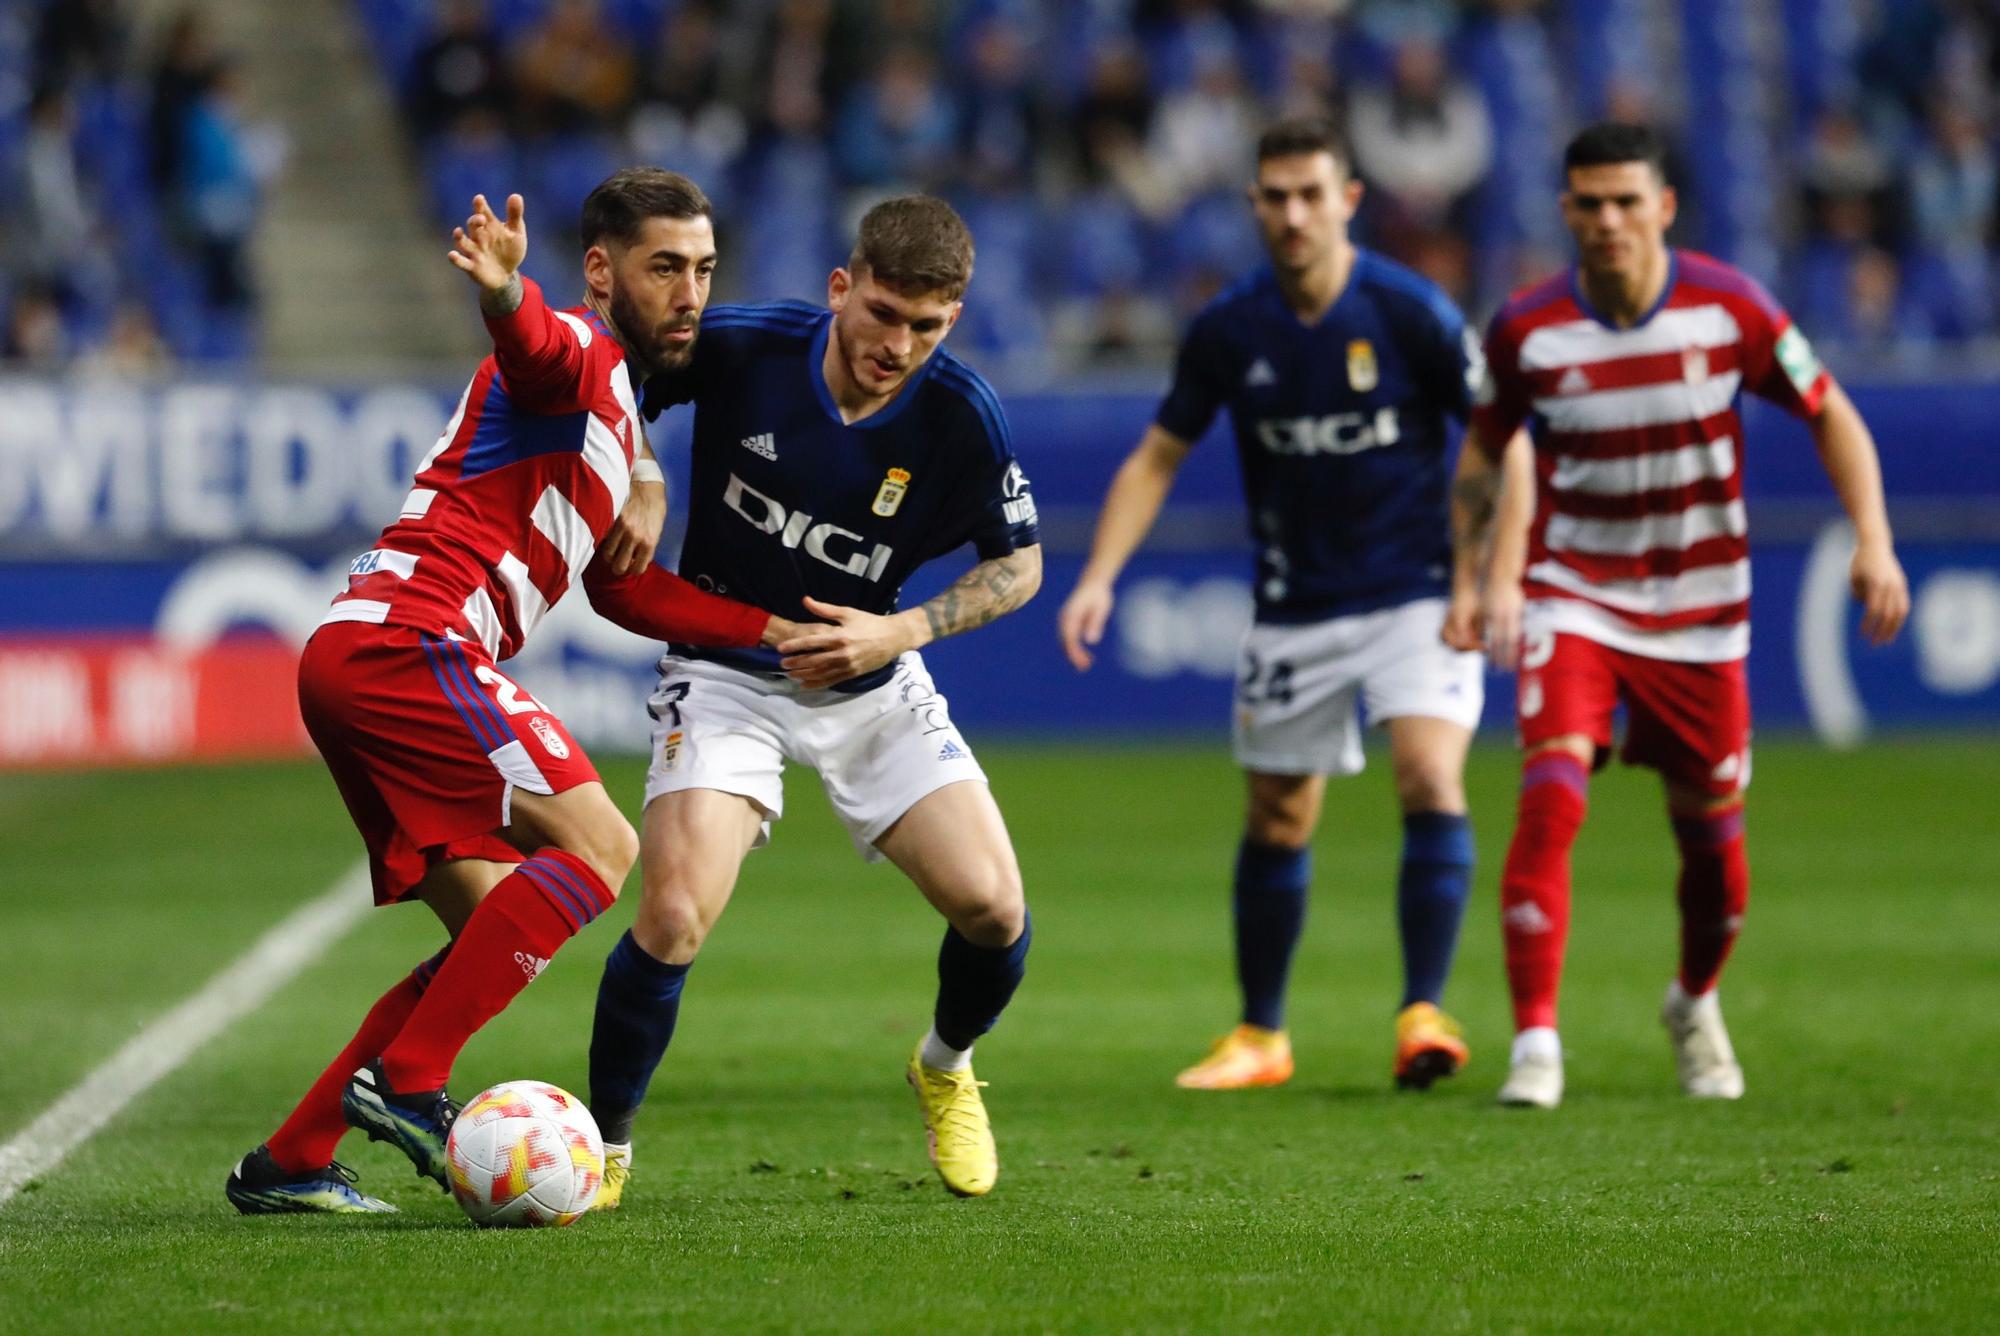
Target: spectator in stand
187,61
684,115
1954,186
1000,132
1309,87
79,41
897,129
1954,192
461,72
219,191
62,248
795,80
1848,178
132,347
1423,142
572,72
1203,135
34,339
1112,122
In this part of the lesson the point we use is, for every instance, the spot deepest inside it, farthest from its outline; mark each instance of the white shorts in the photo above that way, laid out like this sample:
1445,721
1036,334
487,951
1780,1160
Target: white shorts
878,752
1296,686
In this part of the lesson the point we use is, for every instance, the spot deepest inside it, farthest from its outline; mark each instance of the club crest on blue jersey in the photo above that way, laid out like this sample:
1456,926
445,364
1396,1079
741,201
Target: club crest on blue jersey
890,497
1362,372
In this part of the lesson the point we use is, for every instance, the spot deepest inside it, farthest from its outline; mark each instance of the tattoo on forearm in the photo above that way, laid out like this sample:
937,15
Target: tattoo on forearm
989,590
504,300
1474,504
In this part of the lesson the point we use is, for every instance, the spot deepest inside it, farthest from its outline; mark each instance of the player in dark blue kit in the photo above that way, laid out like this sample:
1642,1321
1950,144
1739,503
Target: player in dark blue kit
835,451
1340,371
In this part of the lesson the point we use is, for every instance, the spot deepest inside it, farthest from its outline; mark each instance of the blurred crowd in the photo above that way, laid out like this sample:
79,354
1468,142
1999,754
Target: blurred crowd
1843,148
129,191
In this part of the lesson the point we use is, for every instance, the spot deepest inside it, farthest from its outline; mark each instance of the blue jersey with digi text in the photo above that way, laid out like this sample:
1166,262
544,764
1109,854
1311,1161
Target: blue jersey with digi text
1342,430
787,501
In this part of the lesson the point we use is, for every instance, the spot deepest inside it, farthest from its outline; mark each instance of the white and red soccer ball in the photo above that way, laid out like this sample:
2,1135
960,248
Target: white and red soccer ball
525,1153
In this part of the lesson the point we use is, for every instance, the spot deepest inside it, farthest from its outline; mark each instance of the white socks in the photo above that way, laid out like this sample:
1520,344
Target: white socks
1539,1043
941,1056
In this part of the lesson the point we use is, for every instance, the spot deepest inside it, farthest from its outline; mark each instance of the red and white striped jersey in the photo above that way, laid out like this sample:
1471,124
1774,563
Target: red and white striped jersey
1640,540
510,504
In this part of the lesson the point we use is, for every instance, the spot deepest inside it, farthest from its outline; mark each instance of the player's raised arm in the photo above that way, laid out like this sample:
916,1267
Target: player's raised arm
540,353
1137,492
1847,451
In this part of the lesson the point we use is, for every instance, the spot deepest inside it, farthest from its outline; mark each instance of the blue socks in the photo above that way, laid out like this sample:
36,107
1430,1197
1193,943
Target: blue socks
975,984
1430,899
638,1001
1270,905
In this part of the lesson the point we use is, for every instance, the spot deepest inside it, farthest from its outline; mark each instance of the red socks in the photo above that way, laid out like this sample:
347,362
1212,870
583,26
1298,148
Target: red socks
307,1138
504,945
1534,887
1714,888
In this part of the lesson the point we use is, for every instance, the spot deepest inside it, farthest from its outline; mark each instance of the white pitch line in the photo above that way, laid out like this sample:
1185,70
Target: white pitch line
175,1037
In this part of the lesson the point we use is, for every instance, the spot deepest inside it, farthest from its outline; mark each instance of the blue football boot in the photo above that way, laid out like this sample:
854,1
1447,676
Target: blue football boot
415,1123
257,1186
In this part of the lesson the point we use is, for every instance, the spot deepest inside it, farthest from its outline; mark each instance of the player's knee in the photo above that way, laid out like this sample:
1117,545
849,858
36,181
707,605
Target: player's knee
990,908
1429,788
1284,825
670,924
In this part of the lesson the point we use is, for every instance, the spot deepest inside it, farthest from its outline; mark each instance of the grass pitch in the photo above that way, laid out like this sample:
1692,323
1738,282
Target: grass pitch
782,1181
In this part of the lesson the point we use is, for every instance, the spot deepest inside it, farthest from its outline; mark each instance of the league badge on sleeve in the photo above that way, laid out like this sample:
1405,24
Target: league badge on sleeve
1362,372
891,496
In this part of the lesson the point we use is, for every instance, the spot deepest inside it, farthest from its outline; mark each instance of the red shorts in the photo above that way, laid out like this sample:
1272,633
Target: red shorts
1689,721
427,741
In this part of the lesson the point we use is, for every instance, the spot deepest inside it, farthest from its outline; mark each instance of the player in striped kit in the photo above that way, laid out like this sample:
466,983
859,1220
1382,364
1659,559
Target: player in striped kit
1636,585
468,792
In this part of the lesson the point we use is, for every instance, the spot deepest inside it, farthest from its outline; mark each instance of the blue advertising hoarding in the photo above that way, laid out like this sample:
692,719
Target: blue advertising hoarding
184,515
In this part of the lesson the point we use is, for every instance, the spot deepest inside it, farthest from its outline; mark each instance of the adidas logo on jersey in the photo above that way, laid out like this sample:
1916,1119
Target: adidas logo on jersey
1260,373
951,751
1574,382
764,444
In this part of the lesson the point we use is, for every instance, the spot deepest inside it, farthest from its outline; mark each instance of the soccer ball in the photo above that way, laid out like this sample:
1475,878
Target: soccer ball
525,1153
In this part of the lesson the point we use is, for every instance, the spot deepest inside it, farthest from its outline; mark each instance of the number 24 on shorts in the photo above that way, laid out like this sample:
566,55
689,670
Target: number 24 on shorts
1260,687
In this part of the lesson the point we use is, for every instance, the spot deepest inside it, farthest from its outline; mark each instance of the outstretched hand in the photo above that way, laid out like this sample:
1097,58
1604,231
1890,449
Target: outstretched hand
488,249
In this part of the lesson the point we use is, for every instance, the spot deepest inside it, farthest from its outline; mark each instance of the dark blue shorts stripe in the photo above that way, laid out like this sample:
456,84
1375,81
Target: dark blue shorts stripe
573,884
454,654
455,694
470,700
563,899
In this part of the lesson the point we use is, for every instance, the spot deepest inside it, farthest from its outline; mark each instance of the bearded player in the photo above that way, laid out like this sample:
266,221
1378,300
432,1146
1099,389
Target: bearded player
1340,371
1628,370
469,793
835,450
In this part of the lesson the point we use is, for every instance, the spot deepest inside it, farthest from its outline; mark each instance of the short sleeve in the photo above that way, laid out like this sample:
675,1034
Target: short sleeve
1453,360
1005,520
1198,388
1500,400
1779,364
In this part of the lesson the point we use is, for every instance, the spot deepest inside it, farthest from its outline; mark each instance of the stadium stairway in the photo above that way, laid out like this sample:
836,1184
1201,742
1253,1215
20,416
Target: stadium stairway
350,263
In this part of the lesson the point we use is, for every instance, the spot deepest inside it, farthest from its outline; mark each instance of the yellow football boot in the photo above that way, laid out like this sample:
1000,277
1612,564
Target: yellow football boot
961,1137
1428,1046
1247,1057
617,1169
